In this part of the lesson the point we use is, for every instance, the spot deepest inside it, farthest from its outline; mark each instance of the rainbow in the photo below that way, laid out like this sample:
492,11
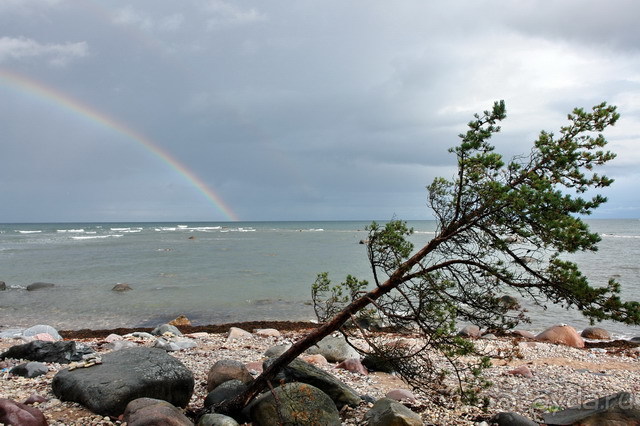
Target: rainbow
59,99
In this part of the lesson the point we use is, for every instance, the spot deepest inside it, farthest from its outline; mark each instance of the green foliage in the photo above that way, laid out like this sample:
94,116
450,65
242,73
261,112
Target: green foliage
503,227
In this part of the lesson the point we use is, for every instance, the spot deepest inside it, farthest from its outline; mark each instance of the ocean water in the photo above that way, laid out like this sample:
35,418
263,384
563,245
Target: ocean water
226,272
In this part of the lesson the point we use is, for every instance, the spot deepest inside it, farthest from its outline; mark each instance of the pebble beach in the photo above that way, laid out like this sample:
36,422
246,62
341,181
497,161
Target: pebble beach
536,377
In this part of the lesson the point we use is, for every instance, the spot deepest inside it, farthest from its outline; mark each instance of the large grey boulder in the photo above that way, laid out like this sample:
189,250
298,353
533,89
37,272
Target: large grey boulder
61,352
613,410
294,404
388,412
123,376
226,391
151,411
301,371
334,349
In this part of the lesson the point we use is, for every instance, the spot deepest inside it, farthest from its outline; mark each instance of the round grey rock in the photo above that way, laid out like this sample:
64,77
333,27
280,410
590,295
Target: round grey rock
216,420
294,403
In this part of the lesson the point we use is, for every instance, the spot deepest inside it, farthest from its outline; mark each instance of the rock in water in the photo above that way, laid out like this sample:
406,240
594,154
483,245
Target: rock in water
294,404
180,321
596,333
3,286
121,287
38,350
39,286
123,376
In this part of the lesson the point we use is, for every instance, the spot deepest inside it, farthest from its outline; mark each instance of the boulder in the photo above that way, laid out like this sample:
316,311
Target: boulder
354,365
61,352
267,332
39,286
150,411
15,413
3,286
226,390
386,412
180,320
401,395
316,359
121,287
174,344
522,371
509,302
277,350
33,398
524,333
216,420
595,333
512,419
561,334
294,404
334,349
166,328
117,345
301,371
42,329
470,331
123,376
613,410
29,369
236,333
376,362
227,369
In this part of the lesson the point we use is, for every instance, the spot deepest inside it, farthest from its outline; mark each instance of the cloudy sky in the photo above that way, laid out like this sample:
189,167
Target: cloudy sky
291,110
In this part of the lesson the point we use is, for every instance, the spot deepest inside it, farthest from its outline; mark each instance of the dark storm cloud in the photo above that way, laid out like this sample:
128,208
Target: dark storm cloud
303,110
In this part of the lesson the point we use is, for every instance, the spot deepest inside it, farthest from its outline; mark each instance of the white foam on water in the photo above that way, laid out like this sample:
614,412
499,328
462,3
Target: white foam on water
74,231
94,237
28,232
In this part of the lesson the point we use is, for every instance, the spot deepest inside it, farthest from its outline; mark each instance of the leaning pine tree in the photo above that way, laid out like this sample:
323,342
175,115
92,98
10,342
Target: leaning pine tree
502,227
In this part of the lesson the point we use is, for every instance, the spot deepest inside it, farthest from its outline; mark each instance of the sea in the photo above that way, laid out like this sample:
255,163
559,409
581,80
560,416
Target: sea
225,272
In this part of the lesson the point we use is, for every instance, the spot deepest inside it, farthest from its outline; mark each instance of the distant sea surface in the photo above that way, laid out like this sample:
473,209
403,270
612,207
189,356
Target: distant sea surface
226,272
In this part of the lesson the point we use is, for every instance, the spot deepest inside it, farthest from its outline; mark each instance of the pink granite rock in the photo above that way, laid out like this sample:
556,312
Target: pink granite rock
521,370
15,413
354,365
401,395
562,334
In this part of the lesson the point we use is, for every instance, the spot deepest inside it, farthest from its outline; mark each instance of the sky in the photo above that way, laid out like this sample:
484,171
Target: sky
219,110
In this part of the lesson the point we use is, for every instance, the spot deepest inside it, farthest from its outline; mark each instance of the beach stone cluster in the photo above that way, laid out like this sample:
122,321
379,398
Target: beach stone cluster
143,382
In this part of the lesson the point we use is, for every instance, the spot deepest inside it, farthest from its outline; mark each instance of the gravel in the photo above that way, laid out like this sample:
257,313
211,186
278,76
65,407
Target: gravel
561,377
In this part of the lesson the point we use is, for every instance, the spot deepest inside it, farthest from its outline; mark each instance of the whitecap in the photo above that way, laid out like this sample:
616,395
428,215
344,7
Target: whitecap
75,231
28,232
94,237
